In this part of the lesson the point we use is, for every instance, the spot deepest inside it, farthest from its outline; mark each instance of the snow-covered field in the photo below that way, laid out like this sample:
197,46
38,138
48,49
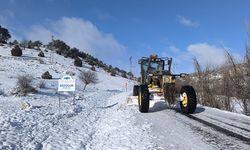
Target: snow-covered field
100,118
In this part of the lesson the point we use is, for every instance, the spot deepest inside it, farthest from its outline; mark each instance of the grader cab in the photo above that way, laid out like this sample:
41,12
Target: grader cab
157,78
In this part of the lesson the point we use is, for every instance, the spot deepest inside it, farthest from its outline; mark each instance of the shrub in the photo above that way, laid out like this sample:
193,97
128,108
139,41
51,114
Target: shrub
24,44
72,53
124,75
16,51
30,45
88,77
130,74
92,62
41,61
92,68
23,85
46,75
41,54
70,73
37,44
78,62
15,42
59,46
113,72
41,84
2,92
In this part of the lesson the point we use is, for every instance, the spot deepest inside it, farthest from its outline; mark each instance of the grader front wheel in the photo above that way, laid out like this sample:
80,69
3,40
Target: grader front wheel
188,99
143,98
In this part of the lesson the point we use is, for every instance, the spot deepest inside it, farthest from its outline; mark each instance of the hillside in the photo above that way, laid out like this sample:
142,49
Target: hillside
43,125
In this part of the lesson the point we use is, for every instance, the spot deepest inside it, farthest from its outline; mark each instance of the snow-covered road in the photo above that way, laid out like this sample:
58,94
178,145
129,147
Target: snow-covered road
173,130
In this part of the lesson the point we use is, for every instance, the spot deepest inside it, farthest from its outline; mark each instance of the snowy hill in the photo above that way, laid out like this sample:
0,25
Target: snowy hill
43,125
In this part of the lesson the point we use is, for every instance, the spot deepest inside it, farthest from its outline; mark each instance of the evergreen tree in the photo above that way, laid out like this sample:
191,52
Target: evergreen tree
59,46
15,42
37,44
78,62
4,35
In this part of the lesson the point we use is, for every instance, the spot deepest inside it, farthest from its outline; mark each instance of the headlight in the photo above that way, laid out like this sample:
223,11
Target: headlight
167,79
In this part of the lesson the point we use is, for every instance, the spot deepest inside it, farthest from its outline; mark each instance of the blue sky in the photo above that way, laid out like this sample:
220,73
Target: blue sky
114,30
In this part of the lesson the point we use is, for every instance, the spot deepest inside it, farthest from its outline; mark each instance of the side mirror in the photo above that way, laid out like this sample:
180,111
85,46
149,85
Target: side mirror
182,75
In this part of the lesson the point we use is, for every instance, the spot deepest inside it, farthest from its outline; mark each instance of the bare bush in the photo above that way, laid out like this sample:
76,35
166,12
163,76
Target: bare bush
41,61
226,88
88,77
206,85
71,73
246,103
240,82
41,54
23,85
199,82
41,84
2,92
218,87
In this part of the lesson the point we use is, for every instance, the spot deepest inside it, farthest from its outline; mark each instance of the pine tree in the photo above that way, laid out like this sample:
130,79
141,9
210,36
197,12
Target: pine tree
4,35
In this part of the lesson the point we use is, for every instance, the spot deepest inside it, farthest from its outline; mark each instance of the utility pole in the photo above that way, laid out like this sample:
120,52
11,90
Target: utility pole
130,64
52,53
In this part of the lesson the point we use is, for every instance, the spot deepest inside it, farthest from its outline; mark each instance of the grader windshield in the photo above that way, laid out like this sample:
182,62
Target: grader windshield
152,66
156,66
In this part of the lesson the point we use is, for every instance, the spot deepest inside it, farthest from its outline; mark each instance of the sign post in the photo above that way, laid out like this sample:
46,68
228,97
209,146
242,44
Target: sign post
66,84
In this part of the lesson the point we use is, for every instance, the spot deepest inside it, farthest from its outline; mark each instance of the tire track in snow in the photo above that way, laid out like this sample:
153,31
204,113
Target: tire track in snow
247,130
227,132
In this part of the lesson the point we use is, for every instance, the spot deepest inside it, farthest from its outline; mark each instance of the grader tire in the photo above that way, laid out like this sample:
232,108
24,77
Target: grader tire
136,90
189,101
143,98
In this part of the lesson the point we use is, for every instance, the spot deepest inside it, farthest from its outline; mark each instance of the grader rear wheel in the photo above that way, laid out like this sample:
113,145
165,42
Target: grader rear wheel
188,99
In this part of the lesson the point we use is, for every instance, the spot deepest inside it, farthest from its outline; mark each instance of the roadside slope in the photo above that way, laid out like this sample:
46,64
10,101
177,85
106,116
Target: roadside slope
118,128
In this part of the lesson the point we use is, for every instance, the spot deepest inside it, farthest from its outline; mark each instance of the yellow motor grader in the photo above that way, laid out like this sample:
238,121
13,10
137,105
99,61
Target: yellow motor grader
156,78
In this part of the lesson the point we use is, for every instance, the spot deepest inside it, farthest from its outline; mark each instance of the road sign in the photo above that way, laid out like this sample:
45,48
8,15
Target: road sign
66,84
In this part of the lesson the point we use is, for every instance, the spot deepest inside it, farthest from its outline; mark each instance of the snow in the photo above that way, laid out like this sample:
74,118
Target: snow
172,130
115,128
36,121
99,118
